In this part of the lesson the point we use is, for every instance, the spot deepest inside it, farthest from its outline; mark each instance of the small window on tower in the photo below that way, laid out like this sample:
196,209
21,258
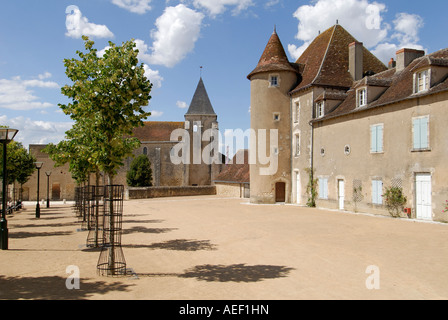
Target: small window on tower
276,116
273,81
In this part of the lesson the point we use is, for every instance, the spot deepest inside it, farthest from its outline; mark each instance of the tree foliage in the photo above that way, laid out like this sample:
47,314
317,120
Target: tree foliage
107,95
19,163
140,172
395,201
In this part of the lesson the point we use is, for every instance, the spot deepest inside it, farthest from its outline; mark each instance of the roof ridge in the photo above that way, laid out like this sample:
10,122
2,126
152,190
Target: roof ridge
325,55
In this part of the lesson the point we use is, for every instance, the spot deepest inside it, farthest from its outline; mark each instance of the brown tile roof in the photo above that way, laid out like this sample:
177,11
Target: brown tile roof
235,172
326,60
400,85
273,58
157,131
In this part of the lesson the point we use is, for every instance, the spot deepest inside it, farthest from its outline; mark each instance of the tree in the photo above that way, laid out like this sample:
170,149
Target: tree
19,163
140,173
108,94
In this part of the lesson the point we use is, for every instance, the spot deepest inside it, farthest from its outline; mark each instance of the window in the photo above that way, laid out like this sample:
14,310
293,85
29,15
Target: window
276,116
376,138
420,128
421,81
297,114
145,151
320,109
377,192
347,150
362,97
323,188
297,137
273,81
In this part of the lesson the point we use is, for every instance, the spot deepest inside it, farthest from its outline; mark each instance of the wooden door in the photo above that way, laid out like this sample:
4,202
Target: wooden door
280,192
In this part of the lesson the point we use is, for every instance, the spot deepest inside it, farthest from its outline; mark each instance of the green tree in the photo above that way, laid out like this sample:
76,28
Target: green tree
140,173
108,95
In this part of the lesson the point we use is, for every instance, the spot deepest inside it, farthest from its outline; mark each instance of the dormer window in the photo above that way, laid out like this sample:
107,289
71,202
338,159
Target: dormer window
361,97
421,81
320,109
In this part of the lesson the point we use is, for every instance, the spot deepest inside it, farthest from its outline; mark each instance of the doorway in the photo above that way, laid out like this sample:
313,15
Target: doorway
423,197
280,192
341,194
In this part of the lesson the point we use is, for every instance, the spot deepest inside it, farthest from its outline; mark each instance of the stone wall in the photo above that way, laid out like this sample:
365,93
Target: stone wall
162,192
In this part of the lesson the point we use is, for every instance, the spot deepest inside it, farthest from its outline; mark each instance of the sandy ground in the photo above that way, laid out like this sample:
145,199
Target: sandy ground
209,248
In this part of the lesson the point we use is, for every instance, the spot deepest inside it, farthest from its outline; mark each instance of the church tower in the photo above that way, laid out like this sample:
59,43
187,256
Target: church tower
271,81
200,118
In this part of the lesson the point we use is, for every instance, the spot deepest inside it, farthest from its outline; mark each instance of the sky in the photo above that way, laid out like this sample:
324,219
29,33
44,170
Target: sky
175,39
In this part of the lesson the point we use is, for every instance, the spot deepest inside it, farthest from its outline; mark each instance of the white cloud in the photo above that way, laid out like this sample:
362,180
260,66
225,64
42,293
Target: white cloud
177,31
44,75
153,76
406,29
156,114
182,104
363,19
15,94
36,132
216,7
135,6
78,25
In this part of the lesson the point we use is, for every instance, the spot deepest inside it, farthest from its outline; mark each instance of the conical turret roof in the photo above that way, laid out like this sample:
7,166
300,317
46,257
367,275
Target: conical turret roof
274,58
200,103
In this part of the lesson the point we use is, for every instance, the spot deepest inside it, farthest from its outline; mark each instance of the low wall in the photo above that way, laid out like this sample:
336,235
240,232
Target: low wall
163,192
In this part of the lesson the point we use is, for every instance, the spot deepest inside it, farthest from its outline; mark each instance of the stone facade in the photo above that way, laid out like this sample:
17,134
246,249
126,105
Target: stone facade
156,143
358,126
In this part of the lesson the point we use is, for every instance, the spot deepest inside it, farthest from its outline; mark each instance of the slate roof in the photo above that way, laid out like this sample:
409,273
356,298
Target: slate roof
157,131
200,104
326,61
274,58
399,86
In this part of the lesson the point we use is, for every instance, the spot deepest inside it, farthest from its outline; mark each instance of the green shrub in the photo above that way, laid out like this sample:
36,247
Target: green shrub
395,201
140,173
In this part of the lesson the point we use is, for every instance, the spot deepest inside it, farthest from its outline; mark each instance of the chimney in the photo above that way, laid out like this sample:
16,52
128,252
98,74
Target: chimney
392,63
355,58
406,56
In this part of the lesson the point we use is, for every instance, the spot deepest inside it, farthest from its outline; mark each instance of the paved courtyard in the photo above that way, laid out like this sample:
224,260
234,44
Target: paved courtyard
209,248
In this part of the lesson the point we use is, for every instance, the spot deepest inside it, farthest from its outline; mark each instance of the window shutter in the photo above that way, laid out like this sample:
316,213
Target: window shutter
416,129
374,191
326,188
373,136
424,126
380,138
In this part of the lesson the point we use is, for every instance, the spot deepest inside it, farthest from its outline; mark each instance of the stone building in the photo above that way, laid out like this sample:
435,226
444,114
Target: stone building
358,125
156,142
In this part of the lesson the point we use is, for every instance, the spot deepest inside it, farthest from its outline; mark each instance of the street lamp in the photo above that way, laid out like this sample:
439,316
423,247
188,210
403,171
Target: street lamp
6,136
48,173
38,167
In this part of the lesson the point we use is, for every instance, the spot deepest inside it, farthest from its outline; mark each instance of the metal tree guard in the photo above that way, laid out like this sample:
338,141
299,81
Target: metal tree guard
111,261
95,238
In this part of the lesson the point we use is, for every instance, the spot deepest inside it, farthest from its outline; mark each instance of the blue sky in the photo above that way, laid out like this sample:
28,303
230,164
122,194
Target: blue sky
176,38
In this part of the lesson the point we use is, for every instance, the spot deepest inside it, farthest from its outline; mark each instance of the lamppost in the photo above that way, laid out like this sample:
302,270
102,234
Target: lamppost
38,167
48,173
6,136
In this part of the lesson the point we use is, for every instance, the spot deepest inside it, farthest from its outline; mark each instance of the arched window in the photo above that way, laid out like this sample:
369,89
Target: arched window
145,151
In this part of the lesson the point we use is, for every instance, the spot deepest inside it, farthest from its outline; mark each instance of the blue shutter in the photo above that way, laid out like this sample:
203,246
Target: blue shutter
373,137
374,191
424,126
379,135
416,128
325,188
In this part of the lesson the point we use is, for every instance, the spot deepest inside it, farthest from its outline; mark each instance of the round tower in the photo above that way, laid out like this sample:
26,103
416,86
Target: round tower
271,81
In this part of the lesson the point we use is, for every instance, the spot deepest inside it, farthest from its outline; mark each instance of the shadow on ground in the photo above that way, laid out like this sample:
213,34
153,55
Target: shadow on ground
231,273
53,288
